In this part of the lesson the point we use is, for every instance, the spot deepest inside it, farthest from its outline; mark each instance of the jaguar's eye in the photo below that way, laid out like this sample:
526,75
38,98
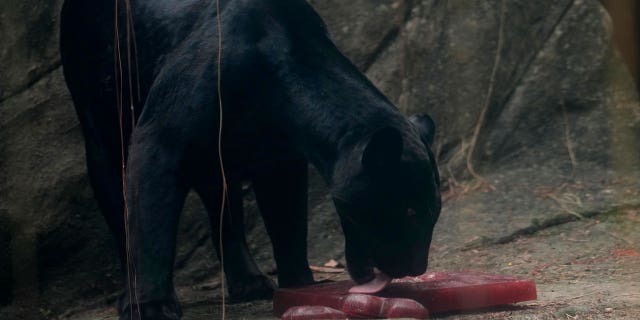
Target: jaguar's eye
411,212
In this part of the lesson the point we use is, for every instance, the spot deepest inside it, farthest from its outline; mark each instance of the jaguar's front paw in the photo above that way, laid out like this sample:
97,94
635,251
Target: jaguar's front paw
298,278
155,310
257,287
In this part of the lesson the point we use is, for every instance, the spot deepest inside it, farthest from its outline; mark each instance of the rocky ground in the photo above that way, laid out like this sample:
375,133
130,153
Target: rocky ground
584,268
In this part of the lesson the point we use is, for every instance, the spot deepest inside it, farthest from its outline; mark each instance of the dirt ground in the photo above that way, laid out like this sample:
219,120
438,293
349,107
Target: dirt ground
584,269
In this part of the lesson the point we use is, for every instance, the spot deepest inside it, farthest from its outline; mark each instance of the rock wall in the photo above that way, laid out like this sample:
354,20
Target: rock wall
527,95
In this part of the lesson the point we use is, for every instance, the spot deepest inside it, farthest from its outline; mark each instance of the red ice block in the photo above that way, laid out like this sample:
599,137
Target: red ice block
356,305
437,291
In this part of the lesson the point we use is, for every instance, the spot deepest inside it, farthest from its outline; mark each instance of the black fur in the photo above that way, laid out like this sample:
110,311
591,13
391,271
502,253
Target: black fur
289,97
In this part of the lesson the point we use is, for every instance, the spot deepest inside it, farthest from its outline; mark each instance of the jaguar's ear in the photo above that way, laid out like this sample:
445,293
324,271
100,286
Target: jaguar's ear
383,150
426,127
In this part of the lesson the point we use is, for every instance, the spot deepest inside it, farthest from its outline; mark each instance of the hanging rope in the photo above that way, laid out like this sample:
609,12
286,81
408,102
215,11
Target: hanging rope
224,178
130,38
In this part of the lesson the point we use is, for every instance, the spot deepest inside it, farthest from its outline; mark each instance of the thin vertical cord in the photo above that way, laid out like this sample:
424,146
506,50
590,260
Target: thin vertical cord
120,103
118,76
131,38
224,178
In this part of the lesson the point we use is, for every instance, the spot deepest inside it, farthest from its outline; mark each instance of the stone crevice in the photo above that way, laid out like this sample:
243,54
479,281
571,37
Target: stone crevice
389,38
518,81
52,68
550,222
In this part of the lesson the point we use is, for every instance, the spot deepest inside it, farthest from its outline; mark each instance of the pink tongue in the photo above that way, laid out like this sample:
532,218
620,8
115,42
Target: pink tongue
376,285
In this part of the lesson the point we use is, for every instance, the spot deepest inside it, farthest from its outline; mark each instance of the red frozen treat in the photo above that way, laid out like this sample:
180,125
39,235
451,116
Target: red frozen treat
357,305
438,292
